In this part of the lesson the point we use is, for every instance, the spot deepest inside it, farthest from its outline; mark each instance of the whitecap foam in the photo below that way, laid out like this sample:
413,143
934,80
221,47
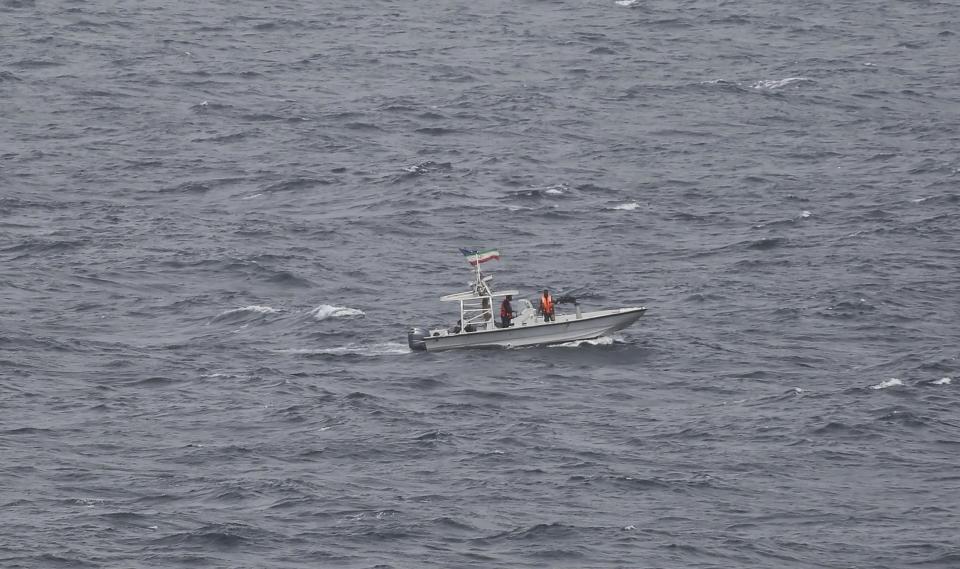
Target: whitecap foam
629,206
626,3
327,311
554,192
805,214
892,382
88,502
943,381
252,309
601,341
718,82
770,84
919,200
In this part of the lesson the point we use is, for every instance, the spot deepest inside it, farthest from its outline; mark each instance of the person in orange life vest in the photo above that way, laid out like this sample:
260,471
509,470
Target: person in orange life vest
546,306
506,312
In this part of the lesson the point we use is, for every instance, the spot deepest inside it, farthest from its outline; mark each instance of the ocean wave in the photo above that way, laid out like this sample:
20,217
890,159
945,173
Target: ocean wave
327,311
297,184
946,199
436,131
943,381
32,246
552,532
217,536
428,167
186,188
254,310
766,243
771,84
848,309
629,206
783,222
287,278
36,64
537,193
723,84
892,382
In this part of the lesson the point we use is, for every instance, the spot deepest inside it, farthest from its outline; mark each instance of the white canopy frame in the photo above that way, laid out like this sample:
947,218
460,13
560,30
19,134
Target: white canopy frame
476,306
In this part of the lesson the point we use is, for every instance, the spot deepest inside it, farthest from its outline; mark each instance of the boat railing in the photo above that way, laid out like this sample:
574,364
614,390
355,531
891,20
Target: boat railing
476,312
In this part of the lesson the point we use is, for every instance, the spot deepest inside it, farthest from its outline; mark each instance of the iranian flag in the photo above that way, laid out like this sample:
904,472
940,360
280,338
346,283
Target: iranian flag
475,257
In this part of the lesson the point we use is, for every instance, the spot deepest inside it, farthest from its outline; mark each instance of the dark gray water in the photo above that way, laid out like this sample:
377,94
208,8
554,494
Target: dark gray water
217,221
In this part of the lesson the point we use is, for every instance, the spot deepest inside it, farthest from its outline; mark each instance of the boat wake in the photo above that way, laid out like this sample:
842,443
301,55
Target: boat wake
366,350
327,311
601,341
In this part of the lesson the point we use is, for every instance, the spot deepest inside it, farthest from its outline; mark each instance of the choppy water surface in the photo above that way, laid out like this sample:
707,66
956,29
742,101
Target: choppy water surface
218,220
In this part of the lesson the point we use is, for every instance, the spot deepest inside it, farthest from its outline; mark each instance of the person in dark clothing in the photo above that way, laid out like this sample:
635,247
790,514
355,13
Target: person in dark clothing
506,312
546,306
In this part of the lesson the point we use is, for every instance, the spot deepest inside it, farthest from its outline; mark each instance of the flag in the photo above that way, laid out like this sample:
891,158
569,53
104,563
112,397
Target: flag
475,257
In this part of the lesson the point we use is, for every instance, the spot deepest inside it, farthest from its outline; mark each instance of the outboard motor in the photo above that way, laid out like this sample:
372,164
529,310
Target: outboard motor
415,339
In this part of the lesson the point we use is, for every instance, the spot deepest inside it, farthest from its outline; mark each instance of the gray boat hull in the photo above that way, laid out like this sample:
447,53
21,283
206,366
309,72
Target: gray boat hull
567,328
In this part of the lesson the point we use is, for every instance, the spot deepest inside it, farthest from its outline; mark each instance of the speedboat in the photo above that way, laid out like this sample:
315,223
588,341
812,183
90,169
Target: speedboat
477,327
